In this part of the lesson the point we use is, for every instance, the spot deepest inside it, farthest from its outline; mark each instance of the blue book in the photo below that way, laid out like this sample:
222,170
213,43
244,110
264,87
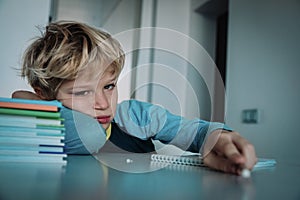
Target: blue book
263,163
28,101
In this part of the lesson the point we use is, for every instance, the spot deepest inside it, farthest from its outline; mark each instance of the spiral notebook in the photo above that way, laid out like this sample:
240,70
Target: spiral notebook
194,160
197,160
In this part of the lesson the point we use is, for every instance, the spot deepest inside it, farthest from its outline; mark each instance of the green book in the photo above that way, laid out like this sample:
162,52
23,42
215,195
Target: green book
45,114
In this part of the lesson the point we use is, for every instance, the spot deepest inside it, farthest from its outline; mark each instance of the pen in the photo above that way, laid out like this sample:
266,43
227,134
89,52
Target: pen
246,173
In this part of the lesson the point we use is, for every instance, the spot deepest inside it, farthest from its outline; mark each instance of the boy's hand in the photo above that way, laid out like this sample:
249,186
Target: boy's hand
22,94
229,152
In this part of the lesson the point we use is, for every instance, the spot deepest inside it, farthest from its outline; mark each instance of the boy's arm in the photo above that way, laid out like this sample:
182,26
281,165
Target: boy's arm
223,149
145,120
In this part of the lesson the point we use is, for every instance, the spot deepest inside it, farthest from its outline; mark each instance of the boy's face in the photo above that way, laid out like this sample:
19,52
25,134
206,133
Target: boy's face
92,93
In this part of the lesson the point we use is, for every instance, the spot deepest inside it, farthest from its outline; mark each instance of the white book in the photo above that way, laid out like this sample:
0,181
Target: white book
30,134
31,130
28,152
32,140
29,149
27,121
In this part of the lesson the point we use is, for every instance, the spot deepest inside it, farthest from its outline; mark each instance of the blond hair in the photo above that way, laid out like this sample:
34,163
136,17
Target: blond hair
63,50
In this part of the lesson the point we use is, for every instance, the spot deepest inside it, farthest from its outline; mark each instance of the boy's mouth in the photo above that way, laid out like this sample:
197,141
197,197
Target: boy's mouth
103,119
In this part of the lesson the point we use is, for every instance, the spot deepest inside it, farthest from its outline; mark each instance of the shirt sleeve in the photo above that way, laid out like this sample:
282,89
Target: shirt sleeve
83,134
145,120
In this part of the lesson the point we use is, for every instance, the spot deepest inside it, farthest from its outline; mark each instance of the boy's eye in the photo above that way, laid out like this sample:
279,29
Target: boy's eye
82,93
110,86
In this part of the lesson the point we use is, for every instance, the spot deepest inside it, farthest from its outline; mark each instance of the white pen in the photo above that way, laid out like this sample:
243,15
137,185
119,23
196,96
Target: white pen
246,173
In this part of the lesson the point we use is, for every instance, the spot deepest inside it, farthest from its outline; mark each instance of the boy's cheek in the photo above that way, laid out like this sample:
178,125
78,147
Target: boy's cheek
81,107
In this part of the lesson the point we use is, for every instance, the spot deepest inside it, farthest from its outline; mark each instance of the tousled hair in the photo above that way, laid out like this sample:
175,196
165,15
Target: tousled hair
63,50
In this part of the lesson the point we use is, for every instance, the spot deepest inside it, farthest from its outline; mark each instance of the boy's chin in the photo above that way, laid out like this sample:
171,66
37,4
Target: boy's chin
105,126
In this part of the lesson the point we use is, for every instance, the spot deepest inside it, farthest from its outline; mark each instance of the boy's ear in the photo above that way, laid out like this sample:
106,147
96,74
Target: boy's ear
38,92
21,94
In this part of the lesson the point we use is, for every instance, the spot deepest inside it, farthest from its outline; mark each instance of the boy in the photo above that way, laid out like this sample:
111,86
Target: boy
79,66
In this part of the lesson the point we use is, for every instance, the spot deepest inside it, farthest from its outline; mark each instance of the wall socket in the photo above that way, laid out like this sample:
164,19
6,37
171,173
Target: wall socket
251,116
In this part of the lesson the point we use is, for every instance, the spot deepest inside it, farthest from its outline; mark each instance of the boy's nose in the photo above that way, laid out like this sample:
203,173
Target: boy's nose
101,101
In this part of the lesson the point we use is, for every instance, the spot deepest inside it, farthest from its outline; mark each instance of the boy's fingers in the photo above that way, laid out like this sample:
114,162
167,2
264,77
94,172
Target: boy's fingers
236,150
246,150
226,147
220,163
231,152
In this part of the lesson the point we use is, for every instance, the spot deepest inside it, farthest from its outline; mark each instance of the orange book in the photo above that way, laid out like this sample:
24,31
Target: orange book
27,106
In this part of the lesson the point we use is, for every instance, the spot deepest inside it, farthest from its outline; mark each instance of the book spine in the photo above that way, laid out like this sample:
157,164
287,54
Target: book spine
40,130
28,106
29,101
19,119
30,149
32,140
28,125
48,152
34,159
31,131
11,111
30,134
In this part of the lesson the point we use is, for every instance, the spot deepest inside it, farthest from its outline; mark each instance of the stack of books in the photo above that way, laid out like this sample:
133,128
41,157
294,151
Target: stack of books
31,131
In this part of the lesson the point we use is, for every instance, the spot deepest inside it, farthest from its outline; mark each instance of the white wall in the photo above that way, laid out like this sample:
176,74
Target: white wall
88,11
121,24
263,72
92,12
184,72
170,55
203,30
18,21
